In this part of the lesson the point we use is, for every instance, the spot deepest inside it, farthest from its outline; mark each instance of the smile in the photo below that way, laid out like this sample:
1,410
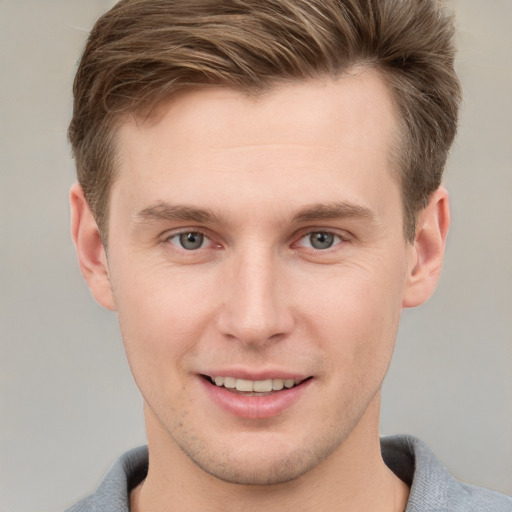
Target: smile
255,399
253,386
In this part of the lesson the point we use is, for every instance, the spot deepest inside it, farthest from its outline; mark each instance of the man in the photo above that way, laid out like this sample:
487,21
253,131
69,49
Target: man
259,197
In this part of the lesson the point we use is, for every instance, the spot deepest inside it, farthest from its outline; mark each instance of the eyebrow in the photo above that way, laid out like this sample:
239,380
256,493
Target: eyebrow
167,212
333,211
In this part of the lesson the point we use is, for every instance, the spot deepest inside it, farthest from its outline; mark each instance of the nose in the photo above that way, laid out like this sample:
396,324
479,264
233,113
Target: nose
256,307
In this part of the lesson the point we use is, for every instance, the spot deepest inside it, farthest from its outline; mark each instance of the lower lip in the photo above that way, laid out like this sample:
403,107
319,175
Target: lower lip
255,407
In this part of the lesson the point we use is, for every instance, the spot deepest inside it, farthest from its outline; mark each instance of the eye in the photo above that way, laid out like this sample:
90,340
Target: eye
190,241
320,240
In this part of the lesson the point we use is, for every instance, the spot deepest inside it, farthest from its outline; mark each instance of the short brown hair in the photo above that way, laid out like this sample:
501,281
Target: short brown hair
142,51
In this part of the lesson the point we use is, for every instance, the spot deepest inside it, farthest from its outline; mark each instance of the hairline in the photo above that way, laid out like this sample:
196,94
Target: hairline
396,160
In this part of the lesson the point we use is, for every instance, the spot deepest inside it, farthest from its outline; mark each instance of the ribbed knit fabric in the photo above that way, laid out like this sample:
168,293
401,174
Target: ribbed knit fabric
433,489
113,493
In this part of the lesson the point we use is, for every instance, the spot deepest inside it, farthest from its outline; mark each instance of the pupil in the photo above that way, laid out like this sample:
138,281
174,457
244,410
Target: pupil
191,241
321,240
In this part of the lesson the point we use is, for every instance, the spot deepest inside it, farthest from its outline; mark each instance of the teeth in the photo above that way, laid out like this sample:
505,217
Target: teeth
262,386
229,382
243,385
254,386
277,384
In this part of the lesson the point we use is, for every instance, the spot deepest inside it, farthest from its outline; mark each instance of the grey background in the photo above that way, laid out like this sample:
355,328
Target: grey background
68,405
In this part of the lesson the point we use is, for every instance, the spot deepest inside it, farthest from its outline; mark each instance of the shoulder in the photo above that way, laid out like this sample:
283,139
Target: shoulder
113,493
433,488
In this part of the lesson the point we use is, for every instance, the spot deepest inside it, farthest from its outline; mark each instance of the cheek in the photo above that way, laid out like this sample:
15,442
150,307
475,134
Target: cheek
161,316
356,317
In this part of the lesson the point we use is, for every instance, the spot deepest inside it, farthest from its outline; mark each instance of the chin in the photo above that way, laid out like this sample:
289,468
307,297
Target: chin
268,462
261,472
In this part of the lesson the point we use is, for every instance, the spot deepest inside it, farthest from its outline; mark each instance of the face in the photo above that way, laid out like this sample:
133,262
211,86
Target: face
258,267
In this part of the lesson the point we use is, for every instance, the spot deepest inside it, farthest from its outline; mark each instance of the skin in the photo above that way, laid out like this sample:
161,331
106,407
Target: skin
258,176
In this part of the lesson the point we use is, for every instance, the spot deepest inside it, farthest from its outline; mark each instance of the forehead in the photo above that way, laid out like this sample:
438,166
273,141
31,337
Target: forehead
298,138
358,96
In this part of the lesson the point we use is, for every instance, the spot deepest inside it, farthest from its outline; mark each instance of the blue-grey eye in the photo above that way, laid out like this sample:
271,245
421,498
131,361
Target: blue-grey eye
321,239
191,241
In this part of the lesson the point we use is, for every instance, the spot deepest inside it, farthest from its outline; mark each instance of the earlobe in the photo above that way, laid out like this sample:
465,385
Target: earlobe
427,254
90,250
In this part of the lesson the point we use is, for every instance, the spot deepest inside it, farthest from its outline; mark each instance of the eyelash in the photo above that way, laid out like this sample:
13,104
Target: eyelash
179,234
337,240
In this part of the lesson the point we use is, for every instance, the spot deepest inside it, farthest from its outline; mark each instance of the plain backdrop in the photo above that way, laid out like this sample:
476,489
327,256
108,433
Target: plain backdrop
68,405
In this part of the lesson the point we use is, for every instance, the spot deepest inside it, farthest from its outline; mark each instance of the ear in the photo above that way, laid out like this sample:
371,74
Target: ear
428,250
89,248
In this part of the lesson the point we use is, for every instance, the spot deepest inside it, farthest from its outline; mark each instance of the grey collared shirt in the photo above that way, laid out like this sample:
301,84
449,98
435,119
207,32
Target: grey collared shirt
433,489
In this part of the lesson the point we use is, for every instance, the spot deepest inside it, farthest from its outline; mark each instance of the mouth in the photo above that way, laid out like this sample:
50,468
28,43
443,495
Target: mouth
256,399
253,387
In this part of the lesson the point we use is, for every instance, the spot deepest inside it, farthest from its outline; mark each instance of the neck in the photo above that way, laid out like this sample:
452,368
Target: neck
353,478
